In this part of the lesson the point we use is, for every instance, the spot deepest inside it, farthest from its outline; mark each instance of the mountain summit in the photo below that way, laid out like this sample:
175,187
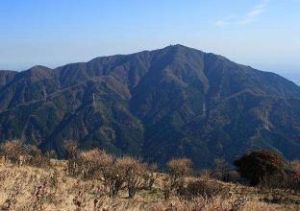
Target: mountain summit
172,102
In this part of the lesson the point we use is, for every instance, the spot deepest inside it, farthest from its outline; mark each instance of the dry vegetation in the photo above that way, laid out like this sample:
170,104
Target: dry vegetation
95,180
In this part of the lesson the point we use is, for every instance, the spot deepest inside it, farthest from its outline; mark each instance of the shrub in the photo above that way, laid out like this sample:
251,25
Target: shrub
13,151
149,175
36,157
178,169
295,167
293,179
131,171
221,170
260,165
88,165
205,174
115,173
20,153
234,177
51,154
97,164
203,188
93,162
113,180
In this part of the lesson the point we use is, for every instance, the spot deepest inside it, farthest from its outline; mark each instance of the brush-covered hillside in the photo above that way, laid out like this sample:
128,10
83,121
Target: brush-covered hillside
96,181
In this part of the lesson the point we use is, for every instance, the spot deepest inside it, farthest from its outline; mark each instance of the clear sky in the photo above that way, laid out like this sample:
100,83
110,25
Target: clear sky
262,33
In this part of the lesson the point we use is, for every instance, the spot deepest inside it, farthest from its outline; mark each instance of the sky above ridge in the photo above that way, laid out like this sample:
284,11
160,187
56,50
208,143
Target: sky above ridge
262,33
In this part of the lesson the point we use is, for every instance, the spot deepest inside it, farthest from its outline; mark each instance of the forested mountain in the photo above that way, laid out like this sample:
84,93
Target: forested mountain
172,102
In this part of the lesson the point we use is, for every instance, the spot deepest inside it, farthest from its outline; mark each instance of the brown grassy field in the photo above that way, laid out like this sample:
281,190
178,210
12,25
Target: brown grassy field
31,188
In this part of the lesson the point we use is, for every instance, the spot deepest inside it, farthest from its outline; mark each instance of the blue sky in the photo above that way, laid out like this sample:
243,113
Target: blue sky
261,33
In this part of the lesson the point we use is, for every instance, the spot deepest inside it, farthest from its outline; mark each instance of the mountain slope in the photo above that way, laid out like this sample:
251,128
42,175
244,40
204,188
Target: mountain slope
160,104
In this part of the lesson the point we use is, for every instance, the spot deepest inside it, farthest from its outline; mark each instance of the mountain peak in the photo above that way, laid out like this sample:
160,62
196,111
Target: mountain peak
38,67
171,102
37,72
180,46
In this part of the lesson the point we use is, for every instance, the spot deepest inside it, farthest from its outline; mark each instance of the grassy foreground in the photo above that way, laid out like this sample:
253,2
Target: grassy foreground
31,188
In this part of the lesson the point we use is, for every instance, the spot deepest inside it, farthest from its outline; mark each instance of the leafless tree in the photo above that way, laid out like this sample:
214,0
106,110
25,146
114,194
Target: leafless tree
72,152
178,169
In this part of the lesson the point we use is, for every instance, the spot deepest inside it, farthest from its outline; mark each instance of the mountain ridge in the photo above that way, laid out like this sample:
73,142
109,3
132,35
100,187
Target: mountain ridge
171,102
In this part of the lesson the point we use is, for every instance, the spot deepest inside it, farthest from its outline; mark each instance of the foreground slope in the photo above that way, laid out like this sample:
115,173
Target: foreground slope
160,104
29,188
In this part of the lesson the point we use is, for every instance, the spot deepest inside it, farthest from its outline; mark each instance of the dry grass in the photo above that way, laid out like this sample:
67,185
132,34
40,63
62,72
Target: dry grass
29,188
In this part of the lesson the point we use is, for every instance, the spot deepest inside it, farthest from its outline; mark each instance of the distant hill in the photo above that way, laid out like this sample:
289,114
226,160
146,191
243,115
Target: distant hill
172,102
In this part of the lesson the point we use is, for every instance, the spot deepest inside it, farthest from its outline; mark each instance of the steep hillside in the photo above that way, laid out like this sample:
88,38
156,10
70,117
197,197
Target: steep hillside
172,102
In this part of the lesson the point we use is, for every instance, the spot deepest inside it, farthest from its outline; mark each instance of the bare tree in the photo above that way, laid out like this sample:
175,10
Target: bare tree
221,170
178,169
36,157
131,170
97,164
94,162
149,175
14,151
72,152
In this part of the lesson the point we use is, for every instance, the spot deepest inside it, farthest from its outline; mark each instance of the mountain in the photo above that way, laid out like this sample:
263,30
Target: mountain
172,102
293,76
